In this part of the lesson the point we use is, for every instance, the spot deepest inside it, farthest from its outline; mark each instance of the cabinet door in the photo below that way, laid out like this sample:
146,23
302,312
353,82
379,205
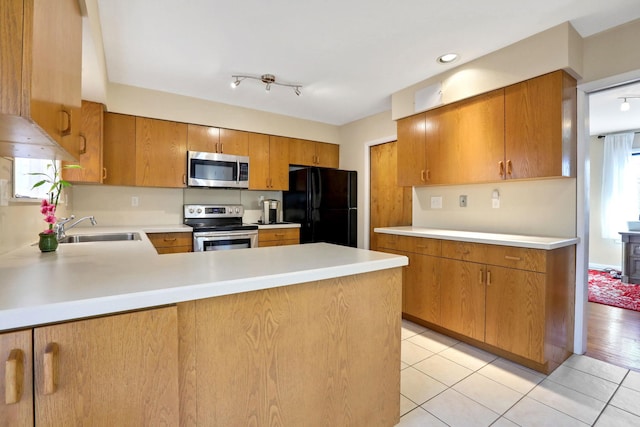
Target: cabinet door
302,152
16,370
540,123
474,139
516,311
203,138
56,67
421,288
119,149
259,161
327,155
161,153
462,291
278,163
234,142
411,151
91,131
115,370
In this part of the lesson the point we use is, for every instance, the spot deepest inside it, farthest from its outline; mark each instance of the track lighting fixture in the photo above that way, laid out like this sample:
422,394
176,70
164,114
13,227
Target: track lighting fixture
268,80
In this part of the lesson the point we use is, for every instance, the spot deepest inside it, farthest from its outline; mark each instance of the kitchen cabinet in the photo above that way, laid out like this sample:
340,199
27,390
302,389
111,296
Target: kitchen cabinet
114,370
278,236
264,358
91,130
161,152
517,302
16,370
40,77
214,140
269,157
171,243
119,149
421,278
540,127
312,153
523,131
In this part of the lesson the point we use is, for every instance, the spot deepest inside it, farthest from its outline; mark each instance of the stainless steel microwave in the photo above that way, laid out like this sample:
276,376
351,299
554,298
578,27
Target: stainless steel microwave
217,170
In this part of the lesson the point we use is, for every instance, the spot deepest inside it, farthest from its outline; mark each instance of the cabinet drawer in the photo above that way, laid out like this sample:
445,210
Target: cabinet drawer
504,256
395,242
278,234
425,246
634,249
163,240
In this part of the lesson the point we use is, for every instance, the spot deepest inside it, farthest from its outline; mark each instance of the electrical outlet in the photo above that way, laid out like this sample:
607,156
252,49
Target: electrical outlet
134,201
463,201
436,202
495,203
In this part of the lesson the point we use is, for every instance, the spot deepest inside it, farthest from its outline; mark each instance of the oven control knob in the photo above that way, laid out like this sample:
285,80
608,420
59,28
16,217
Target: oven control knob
199,210
237,210
190,210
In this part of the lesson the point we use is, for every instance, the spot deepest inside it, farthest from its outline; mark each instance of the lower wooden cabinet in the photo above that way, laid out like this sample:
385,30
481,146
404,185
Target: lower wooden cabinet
172,243
112,370
278,237
517,302
16,370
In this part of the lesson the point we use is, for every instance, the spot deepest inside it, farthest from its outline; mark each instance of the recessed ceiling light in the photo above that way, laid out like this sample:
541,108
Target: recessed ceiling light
447,58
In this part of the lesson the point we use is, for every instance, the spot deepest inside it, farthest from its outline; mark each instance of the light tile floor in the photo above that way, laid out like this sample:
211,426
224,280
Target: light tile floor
444,382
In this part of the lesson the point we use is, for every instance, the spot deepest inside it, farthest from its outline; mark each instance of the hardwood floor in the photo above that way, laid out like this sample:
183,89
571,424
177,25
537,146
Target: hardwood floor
613,335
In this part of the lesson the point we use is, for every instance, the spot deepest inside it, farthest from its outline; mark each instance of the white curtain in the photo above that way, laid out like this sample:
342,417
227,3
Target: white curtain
619,192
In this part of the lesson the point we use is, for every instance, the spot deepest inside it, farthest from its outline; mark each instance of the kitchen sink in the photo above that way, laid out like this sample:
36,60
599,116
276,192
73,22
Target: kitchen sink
107,237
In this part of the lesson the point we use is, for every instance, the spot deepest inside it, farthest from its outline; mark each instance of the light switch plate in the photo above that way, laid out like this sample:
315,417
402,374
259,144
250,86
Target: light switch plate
436,202
463,201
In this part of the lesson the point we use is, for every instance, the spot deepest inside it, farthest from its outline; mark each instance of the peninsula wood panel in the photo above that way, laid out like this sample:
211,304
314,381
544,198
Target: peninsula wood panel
114,370
91,130
119,149
390,204
20,413
161,152
540,127
323,353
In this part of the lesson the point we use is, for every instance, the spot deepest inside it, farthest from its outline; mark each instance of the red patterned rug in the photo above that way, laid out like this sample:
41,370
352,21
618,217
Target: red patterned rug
606,289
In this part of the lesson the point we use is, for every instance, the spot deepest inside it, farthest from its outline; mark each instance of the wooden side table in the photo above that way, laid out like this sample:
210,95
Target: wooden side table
630,256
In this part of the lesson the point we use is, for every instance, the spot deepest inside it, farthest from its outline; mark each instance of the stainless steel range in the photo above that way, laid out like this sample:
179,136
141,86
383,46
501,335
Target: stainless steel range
219,227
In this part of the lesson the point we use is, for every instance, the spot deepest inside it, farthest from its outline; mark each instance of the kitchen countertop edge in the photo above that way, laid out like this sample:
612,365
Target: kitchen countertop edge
521,241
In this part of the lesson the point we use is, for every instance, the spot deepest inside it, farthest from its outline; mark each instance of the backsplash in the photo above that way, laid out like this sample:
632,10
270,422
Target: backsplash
113,205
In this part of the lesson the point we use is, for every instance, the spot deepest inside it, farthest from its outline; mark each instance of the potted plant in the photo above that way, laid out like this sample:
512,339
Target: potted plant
48,241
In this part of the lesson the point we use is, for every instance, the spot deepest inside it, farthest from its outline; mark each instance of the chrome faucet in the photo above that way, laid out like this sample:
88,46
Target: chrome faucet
60,229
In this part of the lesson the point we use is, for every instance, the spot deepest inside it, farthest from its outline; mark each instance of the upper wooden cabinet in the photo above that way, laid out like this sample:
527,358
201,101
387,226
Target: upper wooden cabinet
40,77
91,131
214,140
269,157
161,153
113,370
540,127
524,131
311,153
119,149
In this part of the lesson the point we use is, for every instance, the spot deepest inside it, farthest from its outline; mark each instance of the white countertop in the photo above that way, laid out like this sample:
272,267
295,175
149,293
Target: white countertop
521,241
87,279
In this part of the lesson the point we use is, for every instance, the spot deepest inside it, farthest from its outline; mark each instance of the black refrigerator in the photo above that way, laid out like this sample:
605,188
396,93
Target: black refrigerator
324,202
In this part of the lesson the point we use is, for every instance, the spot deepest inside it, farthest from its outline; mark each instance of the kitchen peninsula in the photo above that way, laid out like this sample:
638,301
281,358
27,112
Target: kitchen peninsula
240,337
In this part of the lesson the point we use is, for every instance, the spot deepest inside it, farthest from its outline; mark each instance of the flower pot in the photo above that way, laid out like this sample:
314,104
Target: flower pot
48,242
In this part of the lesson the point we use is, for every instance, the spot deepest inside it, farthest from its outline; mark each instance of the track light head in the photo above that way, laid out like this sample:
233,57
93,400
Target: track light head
268,80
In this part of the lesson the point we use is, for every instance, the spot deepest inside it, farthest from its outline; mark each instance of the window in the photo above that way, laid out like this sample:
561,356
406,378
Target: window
22,181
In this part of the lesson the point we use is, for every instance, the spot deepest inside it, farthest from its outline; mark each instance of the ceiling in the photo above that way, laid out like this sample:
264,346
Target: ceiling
349,56
604,110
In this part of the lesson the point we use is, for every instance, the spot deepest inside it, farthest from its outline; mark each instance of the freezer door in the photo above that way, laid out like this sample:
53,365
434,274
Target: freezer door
337,226
338,189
